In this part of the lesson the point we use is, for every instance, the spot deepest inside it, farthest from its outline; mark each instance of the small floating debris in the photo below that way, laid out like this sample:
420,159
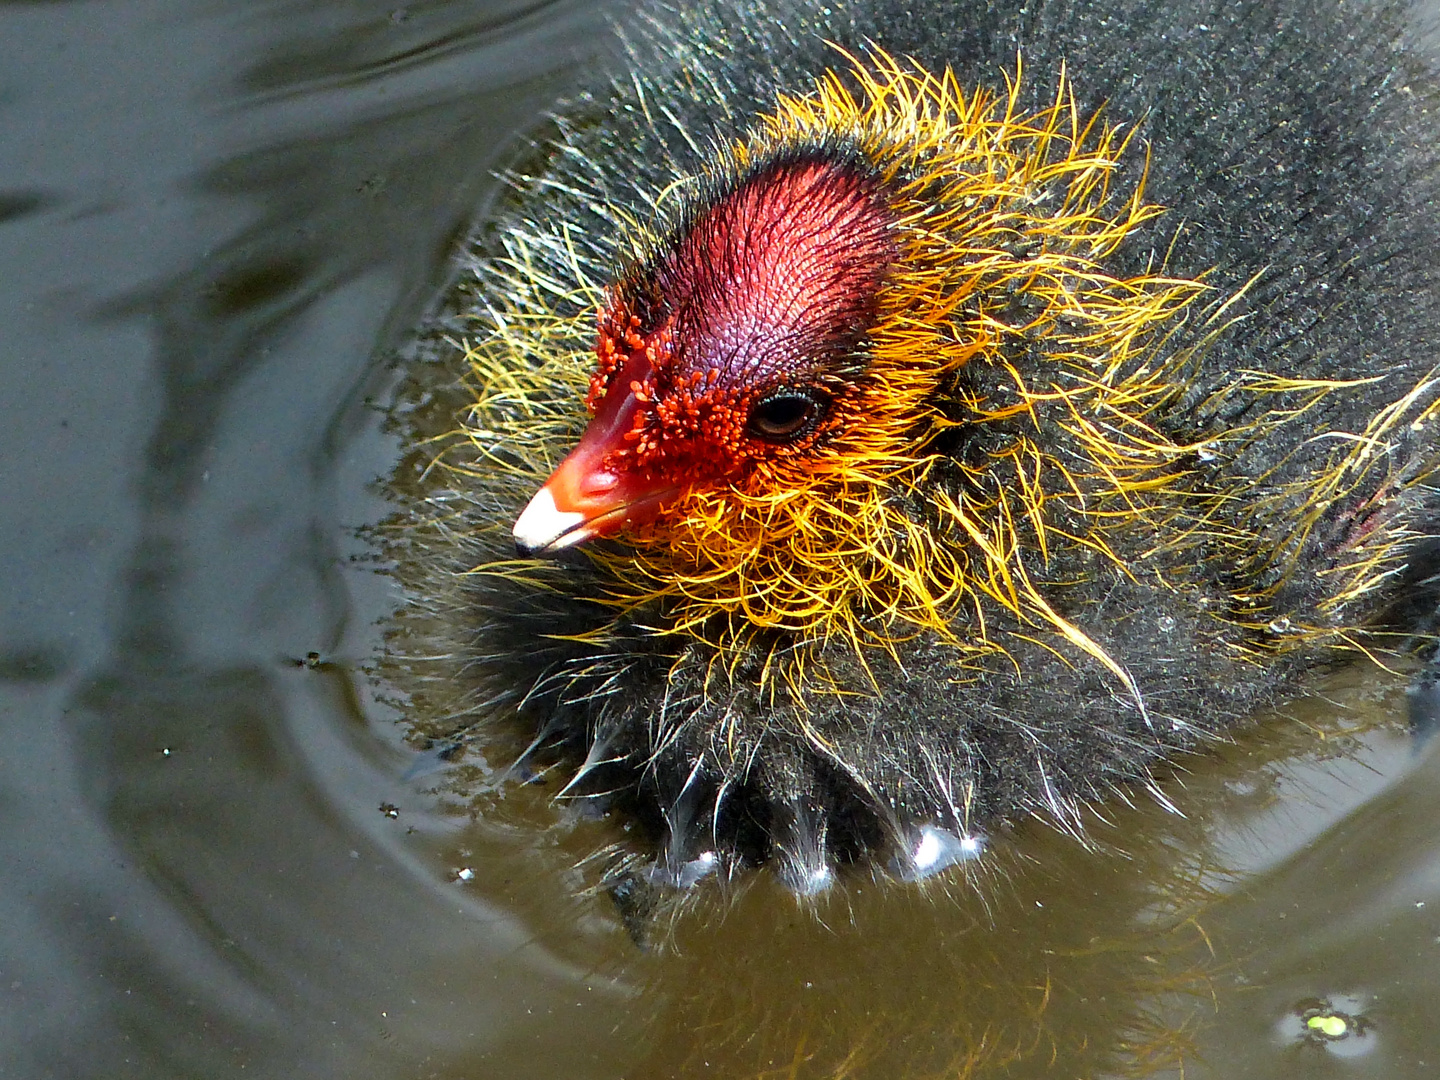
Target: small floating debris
1337,1025
1333,1026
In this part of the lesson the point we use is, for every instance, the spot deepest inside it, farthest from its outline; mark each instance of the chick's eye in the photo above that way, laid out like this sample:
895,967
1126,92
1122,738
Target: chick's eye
786,415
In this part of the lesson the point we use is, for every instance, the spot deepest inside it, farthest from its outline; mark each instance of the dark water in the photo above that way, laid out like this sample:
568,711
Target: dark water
216,222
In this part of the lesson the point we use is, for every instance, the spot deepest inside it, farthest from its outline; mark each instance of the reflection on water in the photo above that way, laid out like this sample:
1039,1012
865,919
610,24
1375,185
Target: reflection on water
221,858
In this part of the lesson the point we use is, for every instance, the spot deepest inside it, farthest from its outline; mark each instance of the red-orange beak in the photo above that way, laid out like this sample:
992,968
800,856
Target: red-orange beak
583,499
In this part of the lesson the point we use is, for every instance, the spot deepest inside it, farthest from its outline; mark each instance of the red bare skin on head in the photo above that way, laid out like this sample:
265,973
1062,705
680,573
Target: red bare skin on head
760,301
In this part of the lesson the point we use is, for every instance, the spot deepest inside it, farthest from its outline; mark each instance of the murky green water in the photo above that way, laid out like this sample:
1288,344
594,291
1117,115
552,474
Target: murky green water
216,223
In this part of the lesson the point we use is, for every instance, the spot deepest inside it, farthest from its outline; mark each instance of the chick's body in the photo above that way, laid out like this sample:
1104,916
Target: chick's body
1132,426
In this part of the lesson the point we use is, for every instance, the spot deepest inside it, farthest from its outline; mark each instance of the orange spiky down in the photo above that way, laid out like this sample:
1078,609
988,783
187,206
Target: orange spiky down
1001,225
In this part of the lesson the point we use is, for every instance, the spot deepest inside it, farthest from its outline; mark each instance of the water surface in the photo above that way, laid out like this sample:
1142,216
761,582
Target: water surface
217,222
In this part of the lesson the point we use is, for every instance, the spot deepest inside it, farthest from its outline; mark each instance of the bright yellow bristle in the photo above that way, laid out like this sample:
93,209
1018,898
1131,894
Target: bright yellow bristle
990,203
1006,221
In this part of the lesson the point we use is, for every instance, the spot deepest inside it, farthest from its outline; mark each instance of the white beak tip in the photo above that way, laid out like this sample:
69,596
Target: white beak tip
543,528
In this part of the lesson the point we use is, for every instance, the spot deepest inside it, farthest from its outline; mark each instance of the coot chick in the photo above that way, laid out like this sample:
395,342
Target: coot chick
915,421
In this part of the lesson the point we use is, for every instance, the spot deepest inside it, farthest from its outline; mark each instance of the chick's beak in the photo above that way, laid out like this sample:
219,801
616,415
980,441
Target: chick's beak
583,498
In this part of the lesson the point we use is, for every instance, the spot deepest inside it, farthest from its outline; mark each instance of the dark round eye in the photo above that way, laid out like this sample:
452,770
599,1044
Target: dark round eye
787,415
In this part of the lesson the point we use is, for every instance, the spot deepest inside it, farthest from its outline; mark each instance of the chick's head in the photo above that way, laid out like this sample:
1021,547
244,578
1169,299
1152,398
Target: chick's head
789,370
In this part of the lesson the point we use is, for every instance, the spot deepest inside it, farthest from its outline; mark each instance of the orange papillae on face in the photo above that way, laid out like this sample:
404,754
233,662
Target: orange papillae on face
760,300
767,289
